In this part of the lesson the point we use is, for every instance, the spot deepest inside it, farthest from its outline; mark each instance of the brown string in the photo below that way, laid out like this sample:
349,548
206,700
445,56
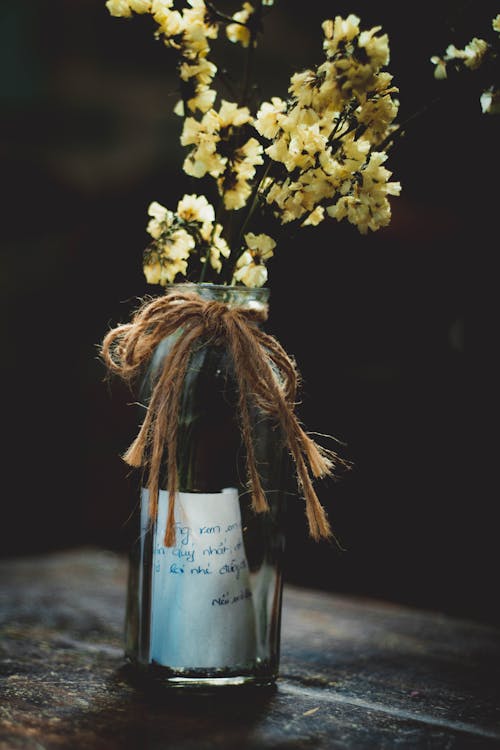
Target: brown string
265,375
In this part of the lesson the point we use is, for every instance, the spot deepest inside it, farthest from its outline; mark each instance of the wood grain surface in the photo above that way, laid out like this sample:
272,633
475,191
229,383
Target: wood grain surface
354,673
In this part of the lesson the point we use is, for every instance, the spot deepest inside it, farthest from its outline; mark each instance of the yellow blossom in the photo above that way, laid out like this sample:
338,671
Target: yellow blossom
490,102
475,53
260,244
119,8
235,191
339,32
203,70
377,114
170,22
250,267
234,185
366,206
125,8
375,47
179,245
195,208
153,272
472,55
161,6
319,142
140,6
218,247
203,136
194,41
215,131
199,14
315,217
161,219
246,158
440,67
232,115
164,273
239,32
267,121
168,258
299,149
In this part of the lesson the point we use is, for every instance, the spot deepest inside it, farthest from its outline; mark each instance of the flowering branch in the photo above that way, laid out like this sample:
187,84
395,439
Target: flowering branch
478,57
317,154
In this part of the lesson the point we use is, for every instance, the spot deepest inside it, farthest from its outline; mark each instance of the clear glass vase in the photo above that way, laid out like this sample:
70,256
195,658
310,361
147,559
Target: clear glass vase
207,611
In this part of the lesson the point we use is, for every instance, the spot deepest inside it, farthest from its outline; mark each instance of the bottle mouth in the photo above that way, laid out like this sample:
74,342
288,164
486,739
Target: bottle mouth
244,296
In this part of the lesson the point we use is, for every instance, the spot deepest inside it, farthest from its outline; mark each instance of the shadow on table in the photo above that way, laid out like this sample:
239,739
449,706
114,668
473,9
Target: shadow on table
132,715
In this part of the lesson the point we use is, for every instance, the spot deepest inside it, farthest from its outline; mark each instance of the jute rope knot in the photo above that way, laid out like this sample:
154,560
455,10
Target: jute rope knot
264,373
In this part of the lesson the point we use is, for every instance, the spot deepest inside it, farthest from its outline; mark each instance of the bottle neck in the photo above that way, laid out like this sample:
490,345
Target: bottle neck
234,296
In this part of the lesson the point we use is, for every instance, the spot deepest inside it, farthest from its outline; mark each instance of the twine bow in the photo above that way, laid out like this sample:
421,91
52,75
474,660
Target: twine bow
257,358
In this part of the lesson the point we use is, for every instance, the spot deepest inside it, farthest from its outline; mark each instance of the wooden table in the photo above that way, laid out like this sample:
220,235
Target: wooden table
355,674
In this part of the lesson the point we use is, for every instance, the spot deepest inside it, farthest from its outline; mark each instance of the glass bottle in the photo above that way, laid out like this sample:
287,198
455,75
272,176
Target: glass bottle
207,611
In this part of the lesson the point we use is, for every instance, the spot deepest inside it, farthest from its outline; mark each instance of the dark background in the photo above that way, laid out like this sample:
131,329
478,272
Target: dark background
391,331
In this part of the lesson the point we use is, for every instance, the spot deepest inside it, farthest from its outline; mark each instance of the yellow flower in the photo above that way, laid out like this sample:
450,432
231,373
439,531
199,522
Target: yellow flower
472,55
315,217
202,161
212,137
238,32
165,272
232,115
195,208
203,100
203,70
246,157
235,191
119,8
249,272
440,67
194,41
339,32
124,8
366,206
475,52
234,184
376,48
170,22
217,247
261,245
203,136
496,23
199,15
316,90
299,149
490,102
198,73
161,6
165,261
178,245
162,219
250,266
317,184
159,212
140,6
153,272
377,114
267,121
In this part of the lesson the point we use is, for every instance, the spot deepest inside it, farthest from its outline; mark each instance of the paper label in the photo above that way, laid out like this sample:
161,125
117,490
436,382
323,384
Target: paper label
202,612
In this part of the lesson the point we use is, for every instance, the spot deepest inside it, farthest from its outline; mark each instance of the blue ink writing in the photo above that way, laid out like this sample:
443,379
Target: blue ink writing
220,550
174,568
200,570
233,567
